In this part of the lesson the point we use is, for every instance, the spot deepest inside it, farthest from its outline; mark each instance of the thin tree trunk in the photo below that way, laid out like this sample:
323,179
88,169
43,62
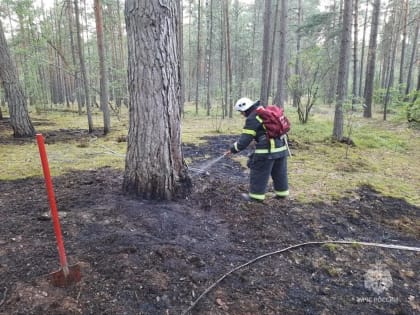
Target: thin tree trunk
122,55
296,98
355,47
103,74
209,7
370,67
362,56
198,72
403,44
228,60
88,59
83,66
386,48
281,75
412,59
343,70
181,60
222,70
74,59
266,54
272,45
394,44
254,31
190,68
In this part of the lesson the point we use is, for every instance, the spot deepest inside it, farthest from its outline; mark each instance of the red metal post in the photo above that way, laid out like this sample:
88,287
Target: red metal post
51,198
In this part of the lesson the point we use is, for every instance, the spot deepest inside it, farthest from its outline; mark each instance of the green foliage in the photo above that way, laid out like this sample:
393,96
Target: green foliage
413,107
305,86
318,25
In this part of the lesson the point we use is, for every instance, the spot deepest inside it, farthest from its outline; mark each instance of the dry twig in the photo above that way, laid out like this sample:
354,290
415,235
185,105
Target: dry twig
409,248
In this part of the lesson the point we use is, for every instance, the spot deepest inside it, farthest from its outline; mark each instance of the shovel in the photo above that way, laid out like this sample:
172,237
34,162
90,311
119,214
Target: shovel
67,275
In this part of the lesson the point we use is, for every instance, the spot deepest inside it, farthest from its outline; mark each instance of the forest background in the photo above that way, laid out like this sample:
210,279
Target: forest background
225,53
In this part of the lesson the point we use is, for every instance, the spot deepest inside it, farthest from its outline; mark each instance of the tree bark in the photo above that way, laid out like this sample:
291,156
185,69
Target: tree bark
370,67
343,70
154,167
19,116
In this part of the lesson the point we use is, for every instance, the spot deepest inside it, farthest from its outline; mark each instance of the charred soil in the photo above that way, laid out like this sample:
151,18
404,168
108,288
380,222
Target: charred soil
143,257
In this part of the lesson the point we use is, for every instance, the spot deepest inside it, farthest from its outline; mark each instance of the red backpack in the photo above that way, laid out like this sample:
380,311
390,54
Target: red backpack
274,120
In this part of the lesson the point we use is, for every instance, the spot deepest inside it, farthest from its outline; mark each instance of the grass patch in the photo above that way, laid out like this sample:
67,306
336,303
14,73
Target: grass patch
386,154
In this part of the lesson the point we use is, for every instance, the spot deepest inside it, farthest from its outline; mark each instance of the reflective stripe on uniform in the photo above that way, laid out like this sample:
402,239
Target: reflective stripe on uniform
235,145
257,196
260,120
249,132
282,193
272,145
273,150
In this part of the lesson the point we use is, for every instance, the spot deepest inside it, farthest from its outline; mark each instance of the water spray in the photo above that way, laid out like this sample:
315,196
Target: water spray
203,168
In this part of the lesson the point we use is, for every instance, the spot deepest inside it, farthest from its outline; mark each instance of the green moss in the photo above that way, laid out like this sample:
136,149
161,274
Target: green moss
331,247
333,272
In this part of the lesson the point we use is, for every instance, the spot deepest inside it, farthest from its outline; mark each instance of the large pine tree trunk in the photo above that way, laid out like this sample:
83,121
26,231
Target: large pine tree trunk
343,70
19,117
154,167
370,67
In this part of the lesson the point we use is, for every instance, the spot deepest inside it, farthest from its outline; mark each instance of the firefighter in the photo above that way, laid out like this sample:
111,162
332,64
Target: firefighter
268,159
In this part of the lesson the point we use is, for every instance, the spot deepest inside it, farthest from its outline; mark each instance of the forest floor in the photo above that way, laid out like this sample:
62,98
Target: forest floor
142,257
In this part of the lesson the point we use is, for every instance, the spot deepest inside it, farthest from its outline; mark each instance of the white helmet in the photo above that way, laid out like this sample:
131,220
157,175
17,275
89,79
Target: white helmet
243,104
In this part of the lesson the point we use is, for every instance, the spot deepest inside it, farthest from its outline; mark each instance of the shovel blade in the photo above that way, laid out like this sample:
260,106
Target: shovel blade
60,279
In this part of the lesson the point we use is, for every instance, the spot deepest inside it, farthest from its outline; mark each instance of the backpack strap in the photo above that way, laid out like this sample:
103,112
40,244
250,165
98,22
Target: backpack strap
271,142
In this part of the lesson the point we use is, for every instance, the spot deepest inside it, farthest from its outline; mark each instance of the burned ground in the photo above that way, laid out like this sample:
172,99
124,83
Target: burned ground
143,257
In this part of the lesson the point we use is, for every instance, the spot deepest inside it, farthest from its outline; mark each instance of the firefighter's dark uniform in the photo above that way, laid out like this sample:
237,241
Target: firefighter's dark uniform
269,158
